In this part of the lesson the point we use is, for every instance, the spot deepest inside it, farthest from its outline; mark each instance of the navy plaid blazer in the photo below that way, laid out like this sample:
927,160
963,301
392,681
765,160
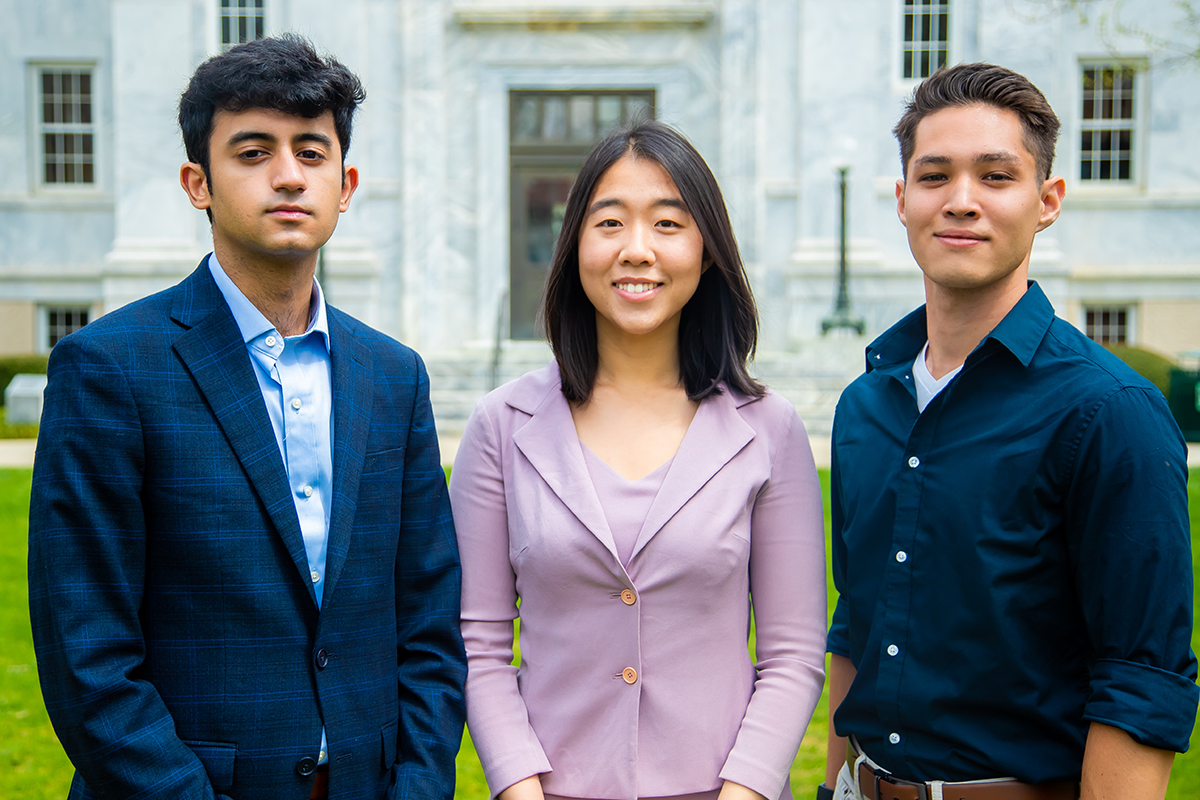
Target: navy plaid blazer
180,649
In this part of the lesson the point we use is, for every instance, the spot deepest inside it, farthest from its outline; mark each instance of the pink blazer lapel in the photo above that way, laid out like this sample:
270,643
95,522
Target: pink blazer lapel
551,445
716,435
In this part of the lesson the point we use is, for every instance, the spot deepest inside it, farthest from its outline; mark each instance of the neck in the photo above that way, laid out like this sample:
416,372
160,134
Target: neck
958,319
280,288
646,362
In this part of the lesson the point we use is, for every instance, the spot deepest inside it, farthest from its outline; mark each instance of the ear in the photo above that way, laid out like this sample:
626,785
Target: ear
349,184
900,202
195,183
1053,191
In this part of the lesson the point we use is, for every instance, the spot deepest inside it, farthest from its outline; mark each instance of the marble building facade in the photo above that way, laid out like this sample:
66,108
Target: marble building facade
477,110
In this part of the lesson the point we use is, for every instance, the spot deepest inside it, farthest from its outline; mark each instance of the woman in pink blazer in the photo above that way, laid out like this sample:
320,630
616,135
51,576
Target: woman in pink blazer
630,504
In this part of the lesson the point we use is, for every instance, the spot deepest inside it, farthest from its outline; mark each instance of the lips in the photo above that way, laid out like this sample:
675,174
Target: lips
636,289
289,212
959,238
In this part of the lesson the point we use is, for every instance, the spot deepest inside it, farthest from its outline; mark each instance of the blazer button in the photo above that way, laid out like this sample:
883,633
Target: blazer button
322,659
629,674
628,597
306,766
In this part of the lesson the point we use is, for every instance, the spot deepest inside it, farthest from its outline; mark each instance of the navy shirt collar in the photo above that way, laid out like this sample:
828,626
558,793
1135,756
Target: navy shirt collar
1020,332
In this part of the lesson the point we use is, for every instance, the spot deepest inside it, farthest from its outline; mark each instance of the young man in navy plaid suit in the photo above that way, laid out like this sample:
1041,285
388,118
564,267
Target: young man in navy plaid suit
243,574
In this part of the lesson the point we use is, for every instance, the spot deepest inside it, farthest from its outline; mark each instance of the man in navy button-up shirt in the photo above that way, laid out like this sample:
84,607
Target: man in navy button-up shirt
1010,527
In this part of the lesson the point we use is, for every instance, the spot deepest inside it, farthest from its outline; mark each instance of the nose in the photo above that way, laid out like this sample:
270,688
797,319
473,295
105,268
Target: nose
286,173
638,247
961,201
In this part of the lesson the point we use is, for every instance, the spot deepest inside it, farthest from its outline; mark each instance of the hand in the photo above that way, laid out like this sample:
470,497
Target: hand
735,791
528,789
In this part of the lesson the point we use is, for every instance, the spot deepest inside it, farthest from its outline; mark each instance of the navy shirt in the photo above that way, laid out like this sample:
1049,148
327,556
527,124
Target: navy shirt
1015,561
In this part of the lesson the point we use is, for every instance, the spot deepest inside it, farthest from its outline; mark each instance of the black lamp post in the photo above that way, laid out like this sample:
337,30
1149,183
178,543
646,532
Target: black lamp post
841,316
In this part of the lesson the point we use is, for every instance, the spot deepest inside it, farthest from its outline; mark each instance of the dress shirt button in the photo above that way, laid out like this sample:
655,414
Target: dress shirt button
914,462
892,649
270,342
321,756
322,659
628,597
306,766
629,674
296,404
894,738
902,556
316,576
307,491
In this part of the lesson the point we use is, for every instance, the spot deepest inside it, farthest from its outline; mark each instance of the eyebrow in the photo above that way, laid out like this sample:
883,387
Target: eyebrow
260,136
998,157
609,202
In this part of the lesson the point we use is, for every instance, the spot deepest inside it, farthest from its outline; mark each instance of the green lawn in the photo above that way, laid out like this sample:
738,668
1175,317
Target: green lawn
34,767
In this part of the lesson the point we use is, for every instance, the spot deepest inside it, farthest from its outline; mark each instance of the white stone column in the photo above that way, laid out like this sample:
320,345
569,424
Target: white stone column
159,236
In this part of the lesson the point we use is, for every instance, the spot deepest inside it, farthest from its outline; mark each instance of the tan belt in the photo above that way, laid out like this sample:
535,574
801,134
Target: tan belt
875,784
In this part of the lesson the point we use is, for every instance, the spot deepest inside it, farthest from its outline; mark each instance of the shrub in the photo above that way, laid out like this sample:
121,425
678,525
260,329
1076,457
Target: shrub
17,365
1150,365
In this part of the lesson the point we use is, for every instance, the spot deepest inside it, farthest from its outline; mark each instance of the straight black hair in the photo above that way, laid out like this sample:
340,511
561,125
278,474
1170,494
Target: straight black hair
282,73
718,328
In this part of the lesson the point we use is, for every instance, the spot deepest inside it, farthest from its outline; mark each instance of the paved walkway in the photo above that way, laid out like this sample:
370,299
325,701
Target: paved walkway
18,453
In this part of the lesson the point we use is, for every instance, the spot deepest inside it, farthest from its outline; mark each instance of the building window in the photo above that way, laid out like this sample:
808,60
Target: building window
1107,324
1107,123
67,131
241,21
61,320
550,134
926,37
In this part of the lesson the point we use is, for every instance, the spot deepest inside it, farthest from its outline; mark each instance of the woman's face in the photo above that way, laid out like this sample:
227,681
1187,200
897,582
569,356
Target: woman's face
640,252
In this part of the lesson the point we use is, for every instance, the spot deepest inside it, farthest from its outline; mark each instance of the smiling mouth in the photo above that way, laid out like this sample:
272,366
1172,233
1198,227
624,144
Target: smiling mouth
636,288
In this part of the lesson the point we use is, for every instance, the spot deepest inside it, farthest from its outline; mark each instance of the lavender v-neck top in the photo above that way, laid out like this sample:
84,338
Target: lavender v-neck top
626,503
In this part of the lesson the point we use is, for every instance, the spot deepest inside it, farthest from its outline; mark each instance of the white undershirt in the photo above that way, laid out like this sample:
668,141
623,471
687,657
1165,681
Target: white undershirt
927,385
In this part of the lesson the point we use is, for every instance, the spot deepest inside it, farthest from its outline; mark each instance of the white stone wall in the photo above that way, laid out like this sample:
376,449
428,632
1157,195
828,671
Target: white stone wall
774,93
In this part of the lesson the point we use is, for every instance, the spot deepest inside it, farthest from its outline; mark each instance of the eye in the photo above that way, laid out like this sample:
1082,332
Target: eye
997,177
608,223
669,223
311,155
252,154
931,177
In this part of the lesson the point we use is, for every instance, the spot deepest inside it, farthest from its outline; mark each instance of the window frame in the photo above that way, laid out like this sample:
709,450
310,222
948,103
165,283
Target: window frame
42,334
1137,151
218,6
902,83
1130,309
37,128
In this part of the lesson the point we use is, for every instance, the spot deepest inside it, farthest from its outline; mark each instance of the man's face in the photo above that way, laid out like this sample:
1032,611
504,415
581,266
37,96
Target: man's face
277,184
973,198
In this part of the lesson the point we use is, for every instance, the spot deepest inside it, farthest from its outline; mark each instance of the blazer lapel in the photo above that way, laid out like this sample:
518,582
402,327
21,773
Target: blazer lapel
716,435
213,351
353,381
552,446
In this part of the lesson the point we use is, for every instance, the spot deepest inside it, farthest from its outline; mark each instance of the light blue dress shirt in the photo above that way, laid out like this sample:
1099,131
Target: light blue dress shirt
297,385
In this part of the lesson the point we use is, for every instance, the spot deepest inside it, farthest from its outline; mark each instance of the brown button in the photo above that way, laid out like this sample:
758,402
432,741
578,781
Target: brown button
628,597
629,674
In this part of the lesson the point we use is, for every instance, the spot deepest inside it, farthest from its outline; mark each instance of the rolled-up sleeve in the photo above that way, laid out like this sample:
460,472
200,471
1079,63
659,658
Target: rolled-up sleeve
1131,552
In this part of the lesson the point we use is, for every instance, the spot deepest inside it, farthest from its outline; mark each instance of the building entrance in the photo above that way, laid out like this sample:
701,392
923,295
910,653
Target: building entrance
550,133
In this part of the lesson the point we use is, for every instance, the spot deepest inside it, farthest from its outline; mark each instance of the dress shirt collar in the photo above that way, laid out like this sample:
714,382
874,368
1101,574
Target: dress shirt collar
250,320
1020,332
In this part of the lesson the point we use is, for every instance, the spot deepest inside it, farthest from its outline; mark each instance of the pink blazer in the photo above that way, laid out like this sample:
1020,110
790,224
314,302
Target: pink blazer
637,682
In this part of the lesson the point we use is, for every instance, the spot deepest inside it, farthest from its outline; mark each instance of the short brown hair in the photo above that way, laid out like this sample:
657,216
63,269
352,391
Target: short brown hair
987,84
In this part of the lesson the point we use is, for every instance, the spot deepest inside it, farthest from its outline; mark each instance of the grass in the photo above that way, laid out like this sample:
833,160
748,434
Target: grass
35,768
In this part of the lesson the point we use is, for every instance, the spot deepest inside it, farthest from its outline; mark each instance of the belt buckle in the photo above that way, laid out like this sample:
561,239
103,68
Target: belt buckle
880,775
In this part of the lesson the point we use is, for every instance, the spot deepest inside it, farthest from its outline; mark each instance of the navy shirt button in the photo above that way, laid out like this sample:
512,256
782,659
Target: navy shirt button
893,650
322,659
894,738
914,462
306,766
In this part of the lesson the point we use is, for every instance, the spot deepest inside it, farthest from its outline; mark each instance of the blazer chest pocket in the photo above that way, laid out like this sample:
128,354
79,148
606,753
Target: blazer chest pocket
388,736
217,758
384,460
